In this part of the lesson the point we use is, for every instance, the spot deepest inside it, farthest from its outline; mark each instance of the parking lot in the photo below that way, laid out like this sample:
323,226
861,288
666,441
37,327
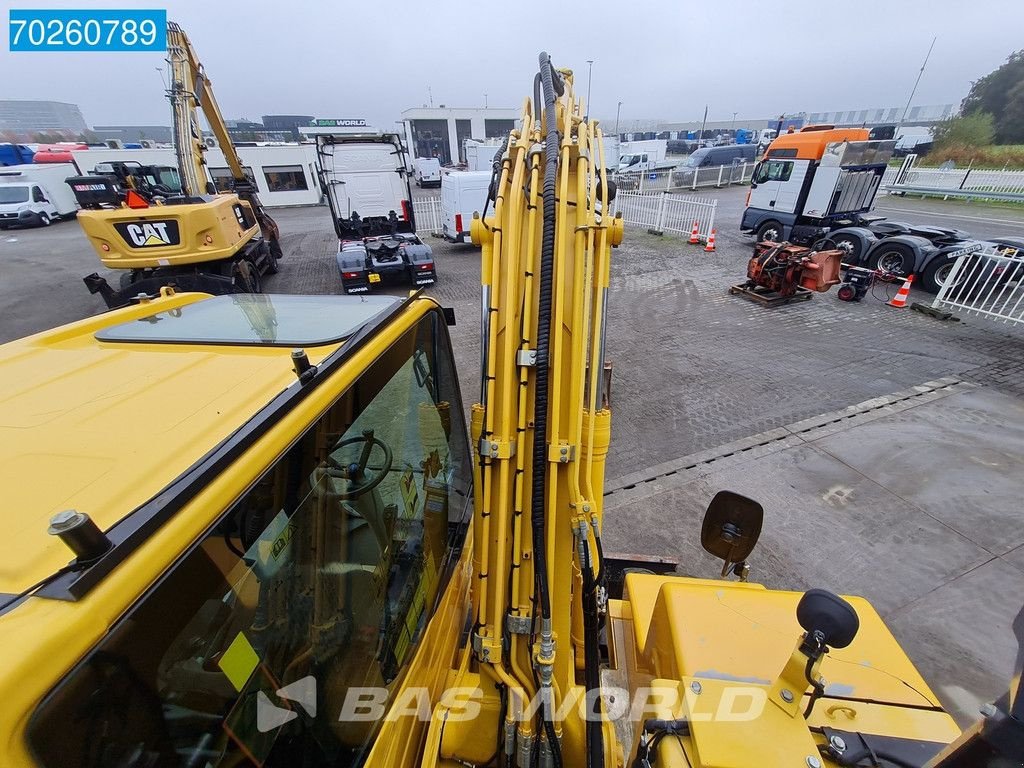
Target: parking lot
885,446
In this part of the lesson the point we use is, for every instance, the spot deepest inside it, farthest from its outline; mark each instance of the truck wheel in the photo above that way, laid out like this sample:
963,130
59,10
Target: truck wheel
851,248
770,232
938,272
895,260
44,220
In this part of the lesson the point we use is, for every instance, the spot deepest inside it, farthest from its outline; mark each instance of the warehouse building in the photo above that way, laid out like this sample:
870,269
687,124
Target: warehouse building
21,119
441,132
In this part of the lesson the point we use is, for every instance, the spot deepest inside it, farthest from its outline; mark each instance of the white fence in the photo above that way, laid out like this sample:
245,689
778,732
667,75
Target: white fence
655,211
661,212
960,182
681,177
427,211
986,283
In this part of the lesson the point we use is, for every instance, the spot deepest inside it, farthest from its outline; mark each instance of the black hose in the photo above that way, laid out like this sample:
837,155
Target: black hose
547,258
540,417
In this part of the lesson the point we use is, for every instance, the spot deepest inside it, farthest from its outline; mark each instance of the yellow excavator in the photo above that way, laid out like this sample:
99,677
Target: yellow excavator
239,537
193,238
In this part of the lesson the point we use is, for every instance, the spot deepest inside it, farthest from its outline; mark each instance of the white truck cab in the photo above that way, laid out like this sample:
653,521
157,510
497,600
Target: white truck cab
35,196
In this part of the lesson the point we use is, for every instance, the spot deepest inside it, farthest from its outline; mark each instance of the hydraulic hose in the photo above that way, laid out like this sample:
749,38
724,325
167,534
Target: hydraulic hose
539,480
547,251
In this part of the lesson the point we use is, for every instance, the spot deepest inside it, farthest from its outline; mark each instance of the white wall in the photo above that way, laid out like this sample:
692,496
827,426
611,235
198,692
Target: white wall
257,158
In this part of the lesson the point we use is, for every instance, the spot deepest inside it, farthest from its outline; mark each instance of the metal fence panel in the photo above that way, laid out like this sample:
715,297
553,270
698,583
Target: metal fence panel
682,177
663,212
428,215
959,182
985,283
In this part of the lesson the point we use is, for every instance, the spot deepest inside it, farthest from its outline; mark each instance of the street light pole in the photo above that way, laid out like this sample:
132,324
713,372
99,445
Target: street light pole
733,126
590,76
917,82
617,120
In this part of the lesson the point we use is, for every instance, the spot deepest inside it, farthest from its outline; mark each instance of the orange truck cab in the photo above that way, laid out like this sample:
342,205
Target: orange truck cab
812,180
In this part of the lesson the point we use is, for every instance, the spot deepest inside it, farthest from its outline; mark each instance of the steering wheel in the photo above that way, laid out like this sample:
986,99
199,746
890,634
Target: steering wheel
360,481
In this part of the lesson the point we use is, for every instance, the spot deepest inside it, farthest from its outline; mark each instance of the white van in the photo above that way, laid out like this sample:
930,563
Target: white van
462,194
36,195
428,172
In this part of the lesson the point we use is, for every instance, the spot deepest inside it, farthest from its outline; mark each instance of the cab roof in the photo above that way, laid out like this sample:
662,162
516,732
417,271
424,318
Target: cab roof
809,143
101,415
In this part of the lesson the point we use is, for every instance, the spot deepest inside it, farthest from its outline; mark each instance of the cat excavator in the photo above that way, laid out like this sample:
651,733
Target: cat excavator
322,566
194,238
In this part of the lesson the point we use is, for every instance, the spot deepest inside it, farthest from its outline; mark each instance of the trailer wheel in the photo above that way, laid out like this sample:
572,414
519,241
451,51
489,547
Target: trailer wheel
894,260
769,232
938,272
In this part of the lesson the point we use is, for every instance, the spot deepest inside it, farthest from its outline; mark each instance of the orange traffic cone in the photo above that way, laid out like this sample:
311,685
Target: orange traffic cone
711,242
694,235
900,299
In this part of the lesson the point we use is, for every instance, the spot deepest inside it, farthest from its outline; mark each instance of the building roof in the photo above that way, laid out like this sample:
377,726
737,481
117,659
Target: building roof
102,427
445,113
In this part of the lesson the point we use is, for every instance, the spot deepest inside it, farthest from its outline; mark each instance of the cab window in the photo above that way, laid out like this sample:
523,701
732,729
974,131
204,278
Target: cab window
37,195
320,578
773,170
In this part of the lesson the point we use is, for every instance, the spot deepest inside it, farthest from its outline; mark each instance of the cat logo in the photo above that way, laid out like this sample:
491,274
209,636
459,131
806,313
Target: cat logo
150,234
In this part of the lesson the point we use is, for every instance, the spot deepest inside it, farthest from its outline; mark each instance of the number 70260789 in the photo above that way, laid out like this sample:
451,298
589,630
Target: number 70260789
40,29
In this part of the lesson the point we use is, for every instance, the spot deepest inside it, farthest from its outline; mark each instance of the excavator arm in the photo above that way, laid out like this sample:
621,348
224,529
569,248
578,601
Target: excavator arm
541,432
190,91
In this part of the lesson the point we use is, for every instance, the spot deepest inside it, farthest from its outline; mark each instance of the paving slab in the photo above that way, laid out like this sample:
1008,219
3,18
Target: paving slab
970,474
960,636
837,520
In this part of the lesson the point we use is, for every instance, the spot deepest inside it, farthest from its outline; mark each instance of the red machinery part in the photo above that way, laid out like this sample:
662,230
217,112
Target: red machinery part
783,267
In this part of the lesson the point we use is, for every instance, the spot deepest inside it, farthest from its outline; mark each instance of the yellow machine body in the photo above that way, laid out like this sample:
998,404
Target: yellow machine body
202,634
170,235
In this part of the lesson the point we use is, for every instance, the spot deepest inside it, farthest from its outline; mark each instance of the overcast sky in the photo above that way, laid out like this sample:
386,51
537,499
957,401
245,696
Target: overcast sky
662,59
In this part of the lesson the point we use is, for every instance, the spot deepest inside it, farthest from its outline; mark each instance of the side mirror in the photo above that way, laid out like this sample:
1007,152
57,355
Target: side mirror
731,528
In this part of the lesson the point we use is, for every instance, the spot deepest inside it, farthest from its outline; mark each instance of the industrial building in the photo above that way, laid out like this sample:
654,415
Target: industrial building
441,131
20,119
161,134
289,124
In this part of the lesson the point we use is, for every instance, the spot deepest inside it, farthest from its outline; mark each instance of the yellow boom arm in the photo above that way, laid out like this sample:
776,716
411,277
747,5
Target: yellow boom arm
190,91
540,430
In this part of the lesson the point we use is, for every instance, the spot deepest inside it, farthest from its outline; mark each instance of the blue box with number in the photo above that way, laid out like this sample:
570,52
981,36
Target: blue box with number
92,29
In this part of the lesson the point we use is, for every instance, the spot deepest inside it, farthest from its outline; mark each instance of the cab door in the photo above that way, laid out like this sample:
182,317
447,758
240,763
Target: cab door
765,183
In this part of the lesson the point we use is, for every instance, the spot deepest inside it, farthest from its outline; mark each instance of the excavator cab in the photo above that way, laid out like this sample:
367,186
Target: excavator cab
309,587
